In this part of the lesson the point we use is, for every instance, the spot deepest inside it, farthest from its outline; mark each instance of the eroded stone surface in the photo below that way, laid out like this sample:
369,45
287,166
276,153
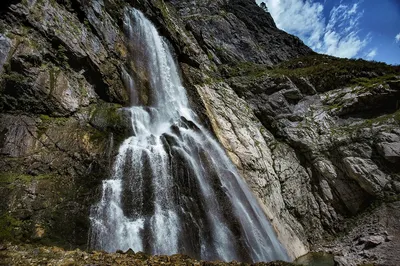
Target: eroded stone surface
317,147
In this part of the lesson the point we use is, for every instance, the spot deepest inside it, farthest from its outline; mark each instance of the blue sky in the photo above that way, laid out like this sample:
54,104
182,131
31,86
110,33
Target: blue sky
368,29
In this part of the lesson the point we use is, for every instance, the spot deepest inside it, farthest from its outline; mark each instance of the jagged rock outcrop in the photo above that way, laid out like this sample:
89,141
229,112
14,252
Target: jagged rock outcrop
60,94
316,138
312,137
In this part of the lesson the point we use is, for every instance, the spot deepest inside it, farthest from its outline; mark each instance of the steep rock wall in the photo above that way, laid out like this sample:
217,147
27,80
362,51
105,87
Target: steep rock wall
60,95
315,138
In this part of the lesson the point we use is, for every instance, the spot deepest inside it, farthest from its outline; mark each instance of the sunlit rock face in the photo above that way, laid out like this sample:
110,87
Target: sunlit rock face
173,189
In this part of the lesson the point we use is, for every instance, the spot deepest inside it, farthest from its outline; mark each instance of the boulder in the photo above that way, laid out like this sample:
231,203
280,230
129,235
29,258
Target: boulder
371,241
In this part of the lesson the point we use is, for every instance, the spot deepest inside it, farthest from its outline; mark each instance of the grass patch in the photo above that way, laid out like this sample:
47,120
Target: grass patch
323,71
9,177
370,82
8,224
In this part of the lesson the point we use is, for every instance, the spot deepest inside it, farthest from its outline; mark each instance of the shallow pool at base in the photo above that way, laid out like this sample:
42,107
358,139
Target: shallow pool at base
316,259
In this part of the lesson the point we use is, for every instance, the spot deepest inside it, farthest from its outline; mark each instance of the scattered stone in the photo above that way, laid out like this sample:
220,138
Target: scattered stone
371,241
389,238
22,255
340,261
68,262
130,252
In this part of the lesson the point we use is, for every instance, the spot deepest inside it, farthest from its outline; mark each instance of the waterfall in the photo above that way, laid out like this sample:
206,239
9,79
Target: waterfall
173,189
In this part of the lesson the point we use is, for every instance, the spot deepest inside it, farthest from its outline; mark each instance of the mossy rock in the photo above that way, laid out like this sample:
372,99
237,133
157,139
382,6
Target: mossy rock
9,228
110,118
8,177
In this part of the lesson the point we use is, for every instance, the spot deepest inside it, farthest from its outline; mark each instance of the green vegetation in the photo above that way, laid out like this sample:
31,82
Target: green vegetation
61,54
388,120
327,72
107,113
9,177
369,82
107,118
15,78
323,71
247,69
8,224
321,63
47,121
210,56
2,28
53,73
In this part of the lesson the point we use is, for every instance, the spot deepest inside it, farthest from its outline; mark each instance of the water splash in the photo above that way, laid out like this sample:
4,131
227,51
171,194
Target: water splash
173,188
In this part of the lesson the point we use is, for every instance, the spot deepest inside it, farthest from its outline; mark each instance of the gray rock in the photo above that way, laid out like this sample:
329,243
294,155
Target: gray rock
389,238
341,261
390,151
367,174
371,241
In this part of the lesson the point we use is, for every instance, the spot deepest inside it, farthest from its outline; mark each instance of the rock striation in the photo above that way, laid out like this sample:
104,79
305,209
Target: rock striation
317,138
60,96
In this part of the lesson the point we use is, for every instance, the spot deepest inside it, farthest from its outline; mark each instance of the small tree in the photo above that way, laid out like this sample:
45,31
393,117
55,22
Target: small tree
263,5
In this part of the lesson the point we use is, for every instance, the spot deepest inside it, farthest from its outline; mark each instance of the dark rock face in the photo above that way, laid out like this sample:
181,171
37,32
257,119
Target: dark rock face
236,31
60,91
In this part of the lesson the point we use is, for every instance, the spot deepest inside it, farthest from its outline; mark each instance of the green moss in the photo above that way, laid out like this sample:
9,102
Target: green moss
53,73
210,56
15,78
329,72
61,54
76,28
8,225
106,118
45,118
324,72
389,120
370,82
247,69
108,113
10,177
47,121
2,27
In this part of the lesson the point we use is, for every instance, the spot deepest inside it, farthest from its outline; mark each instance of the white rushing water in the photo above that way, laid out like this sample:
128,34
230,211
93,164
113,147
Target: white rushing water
173,189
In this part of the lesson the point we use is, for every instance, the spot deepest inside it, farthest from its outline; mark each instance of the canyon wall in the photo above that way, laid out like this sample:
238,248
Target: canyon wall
317,138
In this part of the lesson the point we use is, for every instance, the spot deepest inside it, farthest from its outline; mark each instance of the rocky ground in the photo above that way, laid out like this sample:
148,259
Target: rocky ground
375,241
41,255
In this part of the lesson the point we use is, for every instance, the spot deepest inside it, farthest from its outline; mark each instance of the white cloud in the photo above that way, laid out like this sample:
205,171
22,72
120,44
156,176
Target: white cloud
371,54
336,35
397,38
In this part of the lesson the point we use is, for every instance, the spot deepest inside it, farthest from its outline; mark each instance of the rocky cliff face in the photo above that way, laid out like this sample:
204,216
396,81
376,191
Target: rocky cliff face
60,96
316,138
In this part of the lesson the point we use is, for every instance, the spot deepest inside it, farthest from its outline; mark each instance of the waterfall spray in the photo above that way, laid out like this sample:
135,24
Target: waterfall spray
173,189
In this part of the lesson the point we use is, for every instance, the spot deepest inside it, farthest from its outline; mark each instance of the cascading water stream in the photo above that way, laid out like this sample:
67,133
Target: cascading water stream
173,188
